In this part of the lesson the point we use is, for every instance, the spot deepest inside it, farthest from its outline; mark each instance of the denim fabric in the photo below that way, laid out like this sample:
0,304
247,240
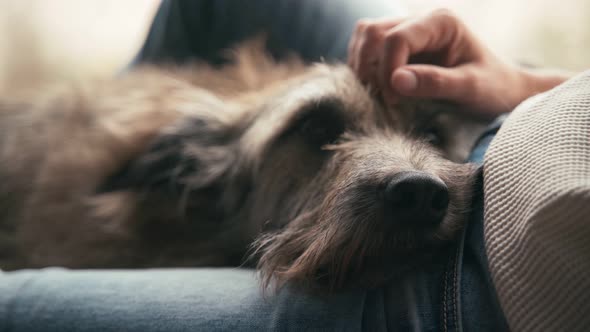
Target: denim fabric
163,300
315,30
455,293
479,306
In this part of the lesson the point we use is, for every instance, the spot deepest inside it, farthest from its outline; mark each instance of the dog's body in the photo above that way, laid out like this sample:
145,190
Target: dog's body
298,166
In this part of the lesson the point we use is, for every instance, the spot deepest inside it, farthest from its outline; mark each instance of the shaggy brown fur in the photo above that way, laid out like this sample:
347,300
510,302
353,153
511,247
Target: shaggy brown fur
195,166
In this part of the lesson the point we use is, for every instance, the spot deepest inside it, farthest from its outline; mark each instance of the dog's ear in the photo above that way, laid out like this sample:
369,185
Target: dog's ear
190,157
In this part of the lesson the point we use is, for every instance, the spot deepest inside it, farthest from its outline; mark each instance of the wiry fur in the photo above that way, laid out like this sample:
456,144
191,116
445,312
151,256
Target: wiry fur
196,166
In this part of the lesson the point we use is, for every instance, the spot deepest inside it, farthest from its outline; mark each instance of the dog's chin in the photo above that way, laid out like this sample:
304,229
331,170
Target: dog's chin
377,270
359,263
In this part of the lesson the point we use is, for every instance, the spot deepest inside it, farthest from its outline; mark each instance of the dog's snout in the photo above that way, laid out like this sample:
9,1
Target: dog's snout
417,198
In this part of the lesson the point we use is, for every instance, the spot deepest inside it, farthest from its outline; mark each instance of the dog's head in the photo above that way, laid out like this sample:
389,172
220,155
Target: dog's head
329,186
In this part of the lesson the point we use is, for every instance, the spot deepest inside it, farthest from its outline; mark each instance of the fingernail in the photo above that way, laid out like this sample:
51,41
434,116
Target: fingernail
404,81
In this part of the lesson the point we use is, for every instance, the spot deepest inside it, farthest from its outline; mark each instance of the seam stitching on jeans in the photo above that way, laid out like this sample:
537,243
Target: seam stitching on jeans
445,283
456,286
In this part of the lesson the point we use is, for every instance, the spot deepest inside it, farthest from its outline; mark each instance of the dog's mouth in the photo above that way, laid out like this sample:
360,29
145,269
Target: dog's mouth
374,268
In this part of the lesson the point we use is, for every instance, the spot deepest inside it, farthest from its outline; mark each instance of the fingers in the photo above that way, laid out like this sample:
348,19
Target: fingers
365,45
437,32
455,65
434,82
380,53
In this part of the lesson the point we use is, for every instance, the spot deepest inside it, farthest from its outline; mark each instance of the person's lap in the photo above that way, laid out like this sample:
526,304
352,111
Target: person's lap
453,294
164,300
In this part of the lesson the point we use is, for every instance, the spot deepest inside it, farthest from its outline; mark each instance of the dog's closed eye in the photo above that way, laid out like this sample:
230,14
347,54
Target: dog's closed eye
434,136
443,127
320,123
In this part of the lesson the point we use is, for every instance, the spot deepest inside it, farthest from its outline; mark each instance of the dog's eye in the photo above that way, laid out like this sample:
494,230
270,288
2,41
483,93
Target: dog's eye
322,124
319,131
433,136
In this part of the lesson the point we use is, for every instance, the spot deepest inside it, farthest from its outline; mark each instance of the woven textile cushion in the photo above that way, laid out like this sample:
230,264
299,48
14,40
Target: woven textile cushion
537,210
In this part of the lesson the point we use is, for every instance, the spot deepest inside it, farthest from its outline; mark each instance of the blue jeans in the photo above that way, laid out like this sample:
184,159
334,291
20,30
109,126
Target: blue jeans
452,295
314,29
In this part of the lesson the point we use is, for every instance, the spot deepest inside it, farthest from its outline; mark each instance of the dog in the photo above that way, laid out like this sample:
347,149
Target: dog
296,169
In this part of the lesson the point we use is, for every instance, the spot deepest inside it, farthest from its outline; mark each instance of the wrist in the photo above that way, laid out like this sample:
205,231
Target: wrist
535,81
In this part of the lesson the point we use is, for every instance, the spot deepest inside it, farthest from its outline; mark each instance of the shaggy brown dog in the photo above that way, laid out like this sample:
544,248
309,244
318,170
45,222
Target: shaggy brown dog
297,165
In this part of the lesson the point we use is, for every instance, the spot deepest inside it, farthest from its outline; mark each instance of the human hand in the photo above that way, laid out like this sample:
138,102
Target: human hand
437,56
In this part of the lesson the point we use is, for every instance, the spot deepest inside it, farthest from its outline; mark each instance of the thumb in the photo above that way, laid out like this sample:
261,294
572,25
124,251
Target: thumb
431,81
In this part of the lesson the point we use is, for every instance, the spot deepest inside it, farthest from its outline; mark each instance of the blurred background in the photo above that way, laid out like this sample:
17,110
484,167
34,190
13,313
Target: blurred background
52,40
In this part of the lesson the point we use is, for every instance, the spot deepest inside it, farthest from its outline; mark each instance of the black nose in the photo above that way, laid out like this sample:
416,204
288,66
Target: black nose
417,198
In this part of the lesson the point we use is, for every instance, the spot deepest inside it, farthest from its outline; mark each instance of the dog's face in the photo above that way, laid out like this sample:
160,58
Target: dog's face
325,185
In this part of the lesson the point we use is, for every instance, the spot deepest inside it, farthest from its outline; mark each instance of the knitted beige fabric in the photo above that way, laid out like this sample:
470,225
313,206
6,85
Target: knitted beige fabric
537,210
